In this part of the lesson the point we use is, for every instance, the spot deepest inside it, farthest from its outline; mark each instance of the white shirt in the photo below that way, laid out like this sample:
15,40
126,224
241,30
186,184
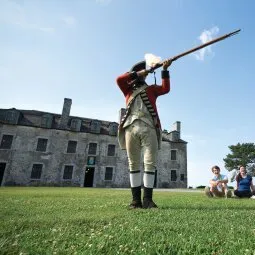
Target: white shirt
220,177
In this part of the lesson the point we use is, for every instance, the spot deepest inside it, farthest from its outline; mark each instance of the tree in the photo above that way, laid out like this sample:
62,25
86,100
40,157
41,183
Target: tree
241,155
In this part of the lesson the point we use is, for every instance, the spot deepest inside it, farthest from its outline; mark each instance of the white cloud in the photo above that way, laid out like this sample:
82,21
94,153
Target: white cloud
15,14
206,36
70,21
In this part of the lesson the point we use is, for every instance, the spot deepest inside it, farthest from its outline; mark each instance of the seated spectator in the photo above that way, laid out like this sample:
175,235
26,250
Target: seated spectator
244,184
250,171
218,185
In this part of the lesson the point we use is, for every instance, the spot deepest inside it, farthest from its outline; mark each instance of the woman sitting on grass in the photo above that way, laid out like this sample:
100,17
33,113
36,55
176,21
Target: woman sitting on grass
218,185
244,185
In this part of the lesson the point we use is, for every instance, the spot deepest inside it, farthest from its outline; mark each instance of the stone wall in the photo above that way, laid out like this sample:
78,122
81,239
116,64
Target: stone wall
22,155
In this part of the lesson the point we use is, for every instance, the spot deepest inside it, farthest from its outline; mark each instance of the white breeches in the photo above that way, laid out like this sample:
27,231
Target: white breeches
141,137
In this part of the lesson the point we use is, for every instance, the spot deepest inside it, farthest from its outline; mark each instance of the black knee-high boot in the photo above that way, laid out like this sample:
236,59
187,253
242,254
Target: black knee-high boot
147,198
136,194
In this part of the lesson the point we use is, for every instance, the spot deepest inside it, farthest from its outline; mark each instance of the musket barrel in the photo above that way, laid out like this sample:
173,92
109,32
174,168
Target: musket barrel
196,48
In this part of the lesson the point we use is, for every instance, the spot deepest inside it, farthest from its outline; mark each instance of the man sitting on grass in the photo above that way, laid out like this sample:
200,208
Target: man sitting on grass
218,185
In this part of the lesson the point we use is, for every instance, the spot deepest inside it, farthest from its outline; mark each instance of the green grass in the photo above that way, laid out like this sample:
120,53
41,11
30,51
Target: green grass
96,221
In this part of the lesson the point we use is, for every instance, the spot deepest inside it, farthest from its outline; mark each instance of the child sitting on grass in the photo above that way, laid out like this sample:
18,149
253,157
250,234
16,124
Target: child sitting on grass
218,185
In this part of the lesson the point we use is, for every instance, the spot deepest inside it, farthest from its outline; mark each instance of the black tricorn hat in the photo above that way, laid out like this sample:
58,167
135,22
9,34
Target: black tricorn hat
138,66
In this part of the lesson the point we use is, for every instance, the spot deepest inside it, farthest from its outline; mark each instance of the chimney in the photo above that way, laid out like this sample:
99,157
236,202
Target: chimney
122,112
65,113
175,134
177,127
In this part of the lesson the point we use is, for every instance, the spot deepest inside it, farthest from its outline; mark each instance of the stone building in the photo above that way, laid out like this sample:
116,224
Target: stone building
47,149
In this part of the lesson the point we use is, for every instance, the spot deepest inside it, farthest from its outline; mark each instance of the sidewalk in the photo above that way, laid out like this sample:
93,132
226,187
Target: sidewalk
169,190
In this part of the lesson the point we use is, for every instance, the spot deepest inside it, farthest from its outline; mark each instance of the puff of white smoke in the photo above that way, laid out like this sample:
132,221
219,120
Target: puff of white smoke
206,36
151,60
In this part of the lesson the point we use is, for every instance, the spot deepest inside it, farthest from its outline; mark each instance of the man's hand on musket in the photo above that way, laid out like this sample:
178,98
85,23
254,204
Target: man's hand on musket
167,63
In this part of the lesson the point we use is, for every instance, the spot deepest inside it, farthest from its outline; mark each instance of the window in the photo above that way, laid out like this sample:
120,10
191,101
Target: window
10,116
111,150
76,124
95,126
92,148
173,175
113,129
36,171
182,177
173,154
42,144
6,142
46,121
108,173
71,147
68,173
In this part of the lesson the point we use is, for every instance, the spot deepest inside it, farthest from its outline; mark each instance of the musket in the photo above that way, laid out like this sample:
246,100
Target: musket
151,70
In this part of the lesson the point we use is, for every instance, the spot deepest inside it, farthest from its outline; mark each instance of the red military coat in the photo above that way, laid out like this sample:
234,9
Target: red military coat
152,93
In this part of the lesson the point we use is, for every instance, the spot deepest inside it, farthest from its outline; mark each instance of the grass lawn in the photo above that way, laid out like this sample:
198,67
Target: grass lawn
97,221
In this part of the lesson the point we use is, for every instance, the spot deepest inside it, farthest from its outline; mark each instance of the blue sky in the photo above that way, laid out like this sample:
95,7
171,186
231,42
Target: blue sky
54,49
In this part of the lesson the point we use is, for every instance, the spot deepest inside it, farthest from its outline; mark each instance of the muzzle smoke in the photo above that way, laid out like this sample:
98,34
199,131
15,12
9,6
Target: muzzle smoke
151,60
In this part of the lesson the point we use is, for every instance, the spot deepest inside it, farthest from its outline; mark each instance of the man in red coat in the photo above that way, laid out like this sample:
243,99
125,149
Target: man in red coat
140,129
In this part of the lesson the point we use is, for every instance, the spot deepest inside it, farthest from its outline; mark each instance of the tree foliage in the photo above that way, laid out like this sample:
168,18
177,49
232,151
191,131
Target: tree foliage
241,155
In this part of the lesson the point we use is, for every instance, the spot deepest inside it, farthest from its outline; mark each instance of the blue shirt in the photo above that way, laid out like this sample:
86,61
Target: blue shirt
245,184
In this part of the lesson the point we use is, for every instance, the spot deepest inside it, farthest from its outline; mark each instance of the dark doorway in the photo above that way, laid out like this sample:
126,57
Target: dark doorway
2,168
155,180
89,176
